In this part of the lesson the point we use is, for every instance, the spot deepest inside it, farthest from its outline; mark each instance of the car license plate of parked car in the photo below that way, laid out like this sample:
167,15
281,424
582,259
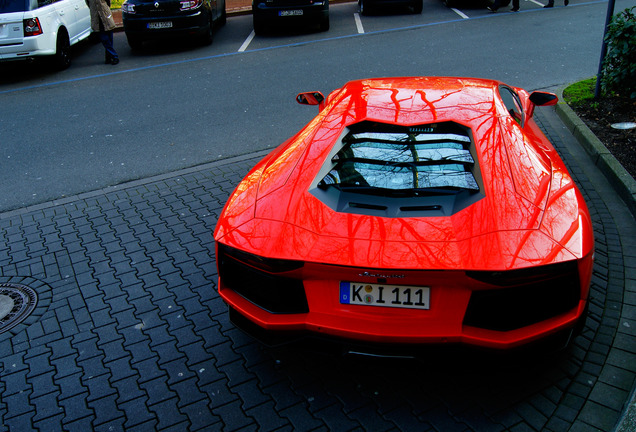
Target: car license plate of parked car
293,12
385,295
160,25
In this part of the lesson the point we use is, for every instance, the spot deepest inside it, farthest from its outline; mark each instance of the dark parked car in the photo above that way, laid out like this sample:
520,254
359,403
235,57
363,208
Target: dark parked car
265,12
162,19
369,6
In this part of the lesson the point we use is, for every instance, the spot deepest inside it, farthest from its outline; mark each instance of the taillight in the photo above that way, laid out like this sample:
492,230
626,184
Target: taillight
190,4
271,284
523,297
128,8
32,27
269,265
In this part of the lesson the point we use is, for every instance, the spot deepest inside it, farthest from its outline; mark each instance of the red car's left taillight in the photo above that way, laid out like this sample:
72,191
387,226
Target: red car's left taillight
272,284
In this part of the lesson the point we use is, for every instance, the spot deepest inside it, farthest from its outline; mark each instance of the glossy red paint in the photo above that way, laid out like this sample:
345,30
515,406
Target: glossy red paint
532,214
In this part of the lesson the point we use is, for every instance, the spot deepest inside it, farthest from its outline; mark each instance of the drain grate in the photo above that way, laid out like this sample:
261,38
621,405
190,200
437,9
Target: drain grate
17,301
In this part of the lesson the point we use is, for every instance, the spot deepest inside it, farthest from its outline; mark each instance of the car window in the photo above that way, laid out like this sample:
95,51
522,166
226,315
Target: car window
8,6
512,103
409,160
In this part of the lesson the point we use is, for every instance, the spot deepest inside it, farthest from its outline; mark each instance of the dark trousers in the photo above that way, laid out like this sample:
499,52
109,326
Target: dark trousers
107,40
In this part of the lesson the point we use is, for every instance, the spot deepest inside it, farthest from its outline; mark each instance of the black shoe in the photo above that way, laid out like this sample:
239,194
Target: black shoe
566,2
114,60
549,5
514,9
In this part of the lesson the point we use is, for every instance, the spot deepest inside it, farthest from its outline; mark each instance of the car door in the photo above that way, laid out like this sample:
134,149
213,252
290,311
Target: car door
65,10
82,25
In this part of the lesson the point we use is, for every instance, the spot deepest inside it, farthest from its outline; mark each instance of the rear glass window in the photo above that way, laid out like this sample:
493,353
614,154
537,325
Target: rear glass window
8,6
398,160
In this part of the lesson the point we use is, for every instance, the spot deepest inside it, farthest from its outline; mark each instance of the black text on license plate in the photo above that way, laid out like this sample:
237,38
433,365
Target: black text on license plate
293,12
385,295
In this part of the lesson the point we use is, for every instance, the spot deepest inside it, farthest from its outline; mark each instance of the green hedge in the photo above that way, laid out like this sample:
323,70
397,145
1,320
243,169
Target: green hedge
619,66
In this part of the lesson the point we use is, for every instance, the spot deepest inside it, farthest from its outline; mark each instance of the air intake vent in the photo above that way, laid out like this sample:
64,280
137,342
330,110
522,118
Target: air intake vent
368,206
426,208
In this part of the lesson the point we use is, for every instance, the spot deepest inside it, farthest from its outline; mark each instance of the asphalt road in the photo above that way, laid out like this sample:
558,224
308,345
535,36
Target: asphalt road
177,106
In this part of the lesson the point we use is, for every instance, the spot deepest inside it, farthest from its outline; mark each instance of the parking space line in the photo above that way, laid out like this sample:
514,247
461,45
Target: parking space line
247,42
356,16
460,13
536,2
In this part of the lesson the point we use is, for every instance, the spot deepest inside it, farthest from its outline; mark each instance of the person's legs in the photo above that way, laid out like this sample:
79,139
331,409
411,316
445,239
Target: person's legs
107,40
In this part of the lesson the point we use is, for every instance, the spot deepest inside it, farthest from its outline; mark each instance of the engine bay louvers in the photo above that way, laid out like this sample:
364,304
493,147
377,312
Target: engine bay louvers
401,171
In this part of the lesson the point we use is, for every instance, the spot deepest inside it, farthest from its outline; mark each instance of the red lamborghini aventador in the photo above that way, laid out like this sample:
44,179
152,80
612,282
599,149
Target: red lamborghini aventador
410,211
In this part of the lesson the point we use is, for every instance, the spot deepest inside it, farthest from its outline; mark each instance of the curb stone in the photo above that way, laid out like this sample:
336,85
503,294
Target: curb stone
625,186
622,181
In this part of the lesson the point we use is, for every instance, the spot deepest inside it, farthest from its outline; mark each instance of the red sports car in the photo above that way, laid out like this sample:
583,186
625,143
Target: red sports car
410,211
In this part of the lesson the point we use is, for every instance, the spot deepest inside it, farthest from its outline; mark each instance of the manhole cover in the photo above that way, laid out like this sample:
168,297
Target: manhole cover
16,304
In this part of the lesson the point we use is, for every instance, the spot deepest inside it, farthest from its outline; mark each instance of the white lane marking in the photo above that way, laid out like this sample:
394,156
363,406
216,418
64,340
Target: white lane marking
460,13
358,23
247,42
537,3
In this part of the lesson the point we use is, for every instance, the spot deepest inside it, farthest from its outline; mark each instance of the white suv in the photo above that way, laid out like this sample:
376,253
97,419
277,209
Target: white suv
31,28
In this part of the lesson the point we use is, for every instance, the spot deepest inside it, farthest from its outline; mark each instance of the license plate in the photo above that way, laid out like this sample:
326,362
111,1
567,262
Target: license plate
160,25
293,12
385,295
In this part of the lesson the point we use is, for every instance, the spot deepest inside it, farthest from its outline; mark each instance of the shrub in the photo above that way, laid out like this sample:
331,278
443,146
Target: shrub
619,66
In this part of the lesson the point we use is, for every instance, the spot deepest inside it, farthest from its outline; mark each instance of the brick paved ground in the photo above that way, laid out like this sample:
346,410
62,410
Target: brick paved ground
130,334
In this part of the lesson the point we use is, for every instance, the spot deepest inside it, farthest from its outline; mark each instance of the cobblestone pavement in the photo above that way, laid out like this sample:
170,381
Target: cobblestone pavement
129,332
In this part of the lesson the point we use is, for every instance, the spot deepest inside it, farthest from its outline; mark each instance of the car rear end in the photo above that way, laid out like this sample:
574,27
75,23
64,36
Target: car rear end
371,6
274,12
152,20
21,32
278,301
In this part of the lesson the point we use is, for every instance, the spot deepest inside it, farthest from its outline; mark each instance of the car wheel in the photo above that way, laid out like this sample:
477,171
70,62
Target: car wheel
324,24
134,42
418,6
223,19
62,57
365,8
208,36
259,24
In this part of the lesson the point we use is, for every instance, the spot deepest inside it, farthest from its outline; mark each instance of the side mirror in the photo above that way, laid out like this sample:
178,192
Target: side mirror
311,98
543,98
